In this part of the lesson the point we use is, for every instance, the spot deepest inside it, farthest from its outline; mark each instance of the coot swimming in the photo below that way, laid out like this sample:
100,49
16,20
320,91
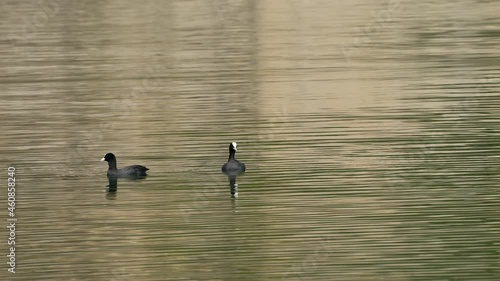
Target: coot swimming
129,171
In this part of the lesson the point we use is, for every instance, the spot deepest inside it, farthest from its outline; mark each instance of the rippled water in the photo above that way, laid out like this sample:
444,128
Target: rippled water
370,132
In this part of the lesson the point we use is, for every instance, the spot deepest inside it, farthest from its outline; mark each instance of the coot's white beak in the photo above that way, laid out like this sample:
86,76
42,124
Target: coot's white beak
103,159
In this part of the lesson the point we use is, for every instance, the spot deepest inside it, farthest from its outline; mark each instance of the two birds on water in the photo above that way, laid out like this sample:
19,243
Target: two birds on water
232,165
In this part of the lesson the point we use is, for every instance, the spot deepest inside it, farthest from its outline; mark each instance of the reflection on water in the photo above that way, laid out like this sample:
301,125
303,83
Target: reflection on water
369,130
233,186
112,184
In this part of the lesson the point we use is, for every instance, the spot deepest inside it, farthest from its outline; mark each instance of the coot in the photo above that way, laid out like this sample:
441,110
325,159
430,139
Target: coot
129,171
232,164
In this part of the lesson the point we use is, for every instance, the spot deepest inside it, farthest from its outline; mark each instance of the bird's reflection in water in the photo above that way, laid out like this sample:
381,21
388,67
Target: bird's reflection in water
233,186
112,184
112,187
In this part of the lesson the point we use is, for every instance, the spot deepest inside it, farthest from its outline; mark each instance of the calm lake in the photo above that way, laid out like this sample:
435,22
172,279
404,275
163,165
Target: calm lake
370,131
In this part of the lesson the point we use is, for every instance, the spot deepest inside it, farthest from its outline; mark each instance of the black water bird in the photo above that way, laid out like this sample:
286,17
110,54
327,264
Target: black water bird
129,171
233,166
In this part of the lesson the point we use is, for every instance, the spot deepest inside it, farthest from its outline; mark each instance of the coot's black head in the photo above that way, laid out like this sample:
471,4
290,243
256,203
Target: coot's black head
109,157
233,147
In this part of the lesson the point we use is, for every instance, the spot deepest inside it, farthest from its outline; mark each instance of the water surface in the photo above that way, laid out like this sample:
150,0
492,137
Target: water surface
369,131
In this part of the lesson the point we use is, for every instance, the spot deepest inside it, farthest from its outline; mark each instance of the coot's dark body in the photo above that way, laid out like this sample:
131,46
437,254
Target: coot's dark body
233,166
129,171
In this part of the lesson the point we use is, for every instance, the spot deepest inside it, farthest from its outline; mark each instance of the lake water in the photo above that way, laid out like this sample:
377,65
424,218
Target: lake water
370,131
